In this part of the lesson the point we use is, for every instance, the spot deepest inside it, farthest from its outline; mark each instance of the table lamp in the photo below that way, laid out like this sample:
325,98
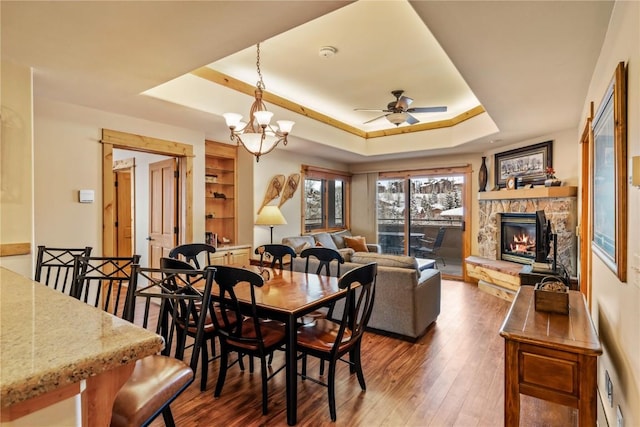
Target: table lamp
270,215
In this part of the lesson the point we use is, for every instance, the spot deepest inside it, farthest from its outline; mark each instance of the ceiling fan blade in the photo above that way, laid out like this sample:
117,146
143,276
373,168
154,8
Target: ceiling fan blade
371,109
427,110
411,120
373,120
404,102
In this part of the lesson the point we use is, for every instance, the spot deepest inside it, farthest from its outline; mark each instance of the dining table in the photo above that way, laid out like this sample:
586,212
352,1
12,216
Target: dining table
286,296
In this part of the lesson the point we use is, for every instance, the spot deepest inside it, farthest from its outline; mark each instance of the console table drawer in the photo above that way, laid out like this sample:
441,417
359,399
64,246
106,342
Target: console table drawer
548,370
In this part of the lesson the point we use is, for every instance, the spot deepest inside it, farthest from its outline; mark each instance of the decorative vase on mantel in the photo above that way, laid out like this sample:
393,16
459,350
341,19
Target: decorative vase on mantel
552,182
482,175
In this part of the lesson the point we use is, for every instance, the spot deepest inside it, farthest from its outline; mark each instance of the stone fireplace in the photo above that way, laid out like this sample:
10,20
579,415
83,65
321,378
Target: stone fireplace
560,206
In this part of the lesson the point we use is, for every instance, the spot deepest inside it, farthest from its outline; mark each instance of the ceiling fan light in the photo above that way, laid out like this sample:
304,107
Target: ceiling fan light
397,118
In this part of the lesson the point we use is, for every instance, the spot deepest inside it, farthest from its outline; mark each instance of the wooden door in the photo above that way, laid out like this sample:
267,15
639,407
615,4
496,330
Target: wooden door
123,183
163,209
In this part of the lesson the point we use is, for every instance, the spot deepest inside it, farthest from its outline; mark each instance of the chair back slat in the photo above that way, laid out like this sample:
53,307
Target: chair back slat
54,266
276,252
230,309
361,297
102,281
190,252
325,256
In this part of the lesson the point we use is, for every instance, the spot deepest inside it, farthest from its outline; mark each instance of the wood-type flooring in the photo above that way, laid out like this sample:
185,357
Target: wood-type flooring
452,376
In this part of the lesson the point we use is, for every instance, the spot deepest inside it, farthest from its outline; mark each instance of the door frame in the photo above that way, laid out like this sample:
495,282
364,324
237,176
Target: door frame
127,141
586,215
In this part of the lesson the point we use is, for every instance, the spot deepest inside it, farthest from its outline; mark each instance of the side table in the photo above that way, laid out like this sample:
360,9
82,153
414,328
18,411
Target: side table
550,356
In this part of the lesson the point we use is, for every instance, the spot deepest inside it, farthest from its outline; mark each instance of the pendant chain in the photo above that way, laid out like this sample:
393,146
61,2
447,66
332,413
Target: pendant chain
260,83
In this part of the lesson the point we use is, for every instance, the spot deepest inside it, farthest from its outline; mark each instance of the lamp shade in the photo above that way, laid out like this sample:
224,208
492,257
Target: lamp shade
270,215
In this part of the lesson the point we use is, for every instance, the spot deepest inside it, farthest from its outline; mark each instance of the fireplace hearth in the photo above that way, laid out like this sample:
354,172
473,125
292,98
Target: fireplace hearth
518,237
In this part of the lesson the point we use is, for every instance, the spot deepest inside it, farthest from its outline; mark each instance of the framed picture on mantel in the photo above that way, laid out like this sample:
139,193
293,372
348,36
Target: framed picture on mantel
528,165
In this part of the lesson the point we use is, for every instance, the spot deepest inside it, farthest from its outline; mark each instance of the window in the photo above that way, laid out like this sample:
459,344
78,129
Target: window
326,199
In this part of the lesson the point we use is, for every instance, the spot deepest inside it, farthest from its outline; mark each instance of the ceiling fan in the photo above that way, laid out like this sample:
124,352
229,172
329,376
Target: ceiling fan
398,111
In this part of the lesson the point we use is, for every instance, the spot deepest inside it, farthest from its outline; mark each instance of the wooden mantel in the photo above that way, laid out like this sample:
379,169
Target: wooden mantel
530,193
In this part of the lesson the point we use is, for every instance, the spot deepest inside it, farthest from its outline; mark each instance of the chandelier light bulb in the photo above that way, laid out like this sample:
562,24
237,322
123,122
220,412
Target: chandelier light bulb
232,119
285,126
263,117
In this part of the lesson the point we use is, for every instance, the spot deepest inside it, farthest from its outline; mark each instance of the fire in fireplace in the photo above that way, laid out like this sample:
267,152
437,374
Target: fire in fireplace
518,237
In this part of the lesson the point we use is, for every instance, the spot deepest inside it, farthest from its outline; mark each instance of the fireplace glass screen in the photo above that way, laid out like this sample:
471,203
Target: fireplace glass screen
518,238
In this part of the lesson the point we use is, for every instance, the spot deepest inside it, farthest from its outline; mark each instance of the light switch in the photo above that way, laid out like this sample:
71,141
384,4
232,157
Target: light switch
86,196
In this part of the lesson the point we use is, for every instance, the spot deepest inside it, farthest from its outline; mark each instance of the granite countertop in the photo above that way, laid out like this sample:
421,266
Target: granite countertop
49,340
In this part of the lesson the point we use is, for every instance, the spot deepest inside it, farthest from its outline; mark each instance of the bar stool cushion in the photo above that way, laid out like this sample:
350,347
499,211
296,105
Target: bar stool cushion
146,391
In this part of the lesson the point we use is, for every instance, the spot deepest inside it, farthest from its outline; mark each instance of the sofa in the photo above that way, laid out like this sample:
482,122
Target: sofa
407,297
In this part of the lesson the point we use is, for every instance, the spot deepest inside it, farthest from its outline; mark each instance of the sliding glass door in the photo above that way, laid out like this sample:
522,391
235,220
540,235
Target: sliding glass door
391,215
422,214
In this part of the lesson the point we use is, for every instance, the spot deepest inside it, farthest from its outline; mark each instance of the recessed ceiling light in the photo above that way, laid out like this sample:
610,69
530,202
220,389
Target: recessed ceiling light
327,51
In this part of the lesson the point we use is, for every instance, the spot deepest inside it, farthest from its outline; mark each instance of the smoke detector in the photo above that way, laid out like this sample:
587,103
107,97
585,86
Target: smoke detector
327,51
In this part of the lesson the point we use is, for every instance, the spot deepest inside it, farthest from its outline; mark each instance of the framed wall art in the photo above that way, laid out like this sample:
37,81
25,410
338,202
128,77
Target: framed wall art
527,164
609,176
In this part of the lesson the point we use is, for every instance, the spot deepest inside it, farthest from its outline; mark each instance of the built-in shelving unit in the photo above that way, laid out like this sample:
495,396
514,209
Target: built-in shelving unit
220,191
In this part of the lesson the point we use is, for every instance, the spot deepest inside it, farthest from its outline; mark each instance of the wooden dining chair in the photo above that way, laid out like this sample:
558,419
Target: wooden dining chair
253,336
325,257
54,266
190,252
276,252
330,341
209,334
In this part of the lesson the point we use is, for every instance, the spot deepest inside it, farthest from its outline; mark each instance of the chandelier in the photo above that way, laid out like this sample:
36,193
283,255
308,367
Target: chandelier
257,136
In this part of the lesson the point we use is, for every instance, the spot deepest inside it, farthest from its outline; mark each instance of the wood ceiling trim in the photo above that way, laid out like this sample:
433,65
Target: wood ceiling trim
240,86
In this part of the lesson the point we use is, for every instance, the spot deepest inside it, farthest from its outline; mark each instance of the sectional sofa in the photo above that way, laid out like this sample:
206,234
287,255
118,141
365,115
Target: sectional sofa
407,297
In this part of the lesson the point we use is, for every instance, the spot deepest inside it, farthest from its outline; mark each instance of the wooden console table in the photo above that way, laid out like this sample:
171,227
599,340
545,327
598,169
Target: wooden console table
550,356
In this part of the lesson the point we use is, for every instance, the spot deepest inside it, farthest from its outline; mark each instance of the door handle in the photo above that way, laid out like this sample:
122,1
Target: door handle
150,238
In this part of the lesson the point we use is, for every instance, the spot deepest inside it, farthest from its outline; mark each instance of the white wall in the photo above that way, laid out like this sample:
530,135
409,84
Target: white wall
16,170
616,305
67,157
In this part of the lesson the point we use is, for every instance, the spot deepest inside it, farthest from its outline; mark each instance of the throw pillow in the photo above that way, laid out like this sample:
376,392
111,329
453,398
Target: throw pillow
357,243
302,247
326,240
298,242
338,238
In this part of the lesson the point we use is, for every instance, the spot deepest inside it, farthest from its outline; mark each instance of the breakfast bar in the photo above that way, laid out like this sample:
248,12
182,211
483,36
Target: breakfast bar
54,347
